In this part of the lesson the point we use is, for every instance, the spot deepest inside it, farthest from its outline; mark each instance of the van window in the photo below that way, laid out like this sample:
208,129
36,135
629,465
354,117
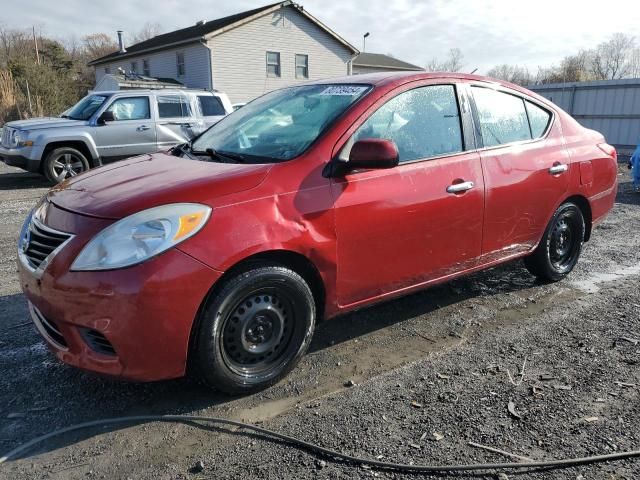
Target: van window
503,118
210,106
423,122
174,106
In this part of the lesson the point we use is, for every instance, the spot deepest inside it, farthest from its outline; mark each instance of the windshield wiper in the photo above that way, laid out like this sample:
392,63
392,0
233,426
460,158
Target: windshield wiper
216,155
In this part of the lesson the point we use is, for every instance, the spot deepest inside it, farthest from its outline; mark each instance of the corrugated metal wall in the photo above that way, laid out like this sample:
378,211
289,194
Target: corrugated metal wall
611,106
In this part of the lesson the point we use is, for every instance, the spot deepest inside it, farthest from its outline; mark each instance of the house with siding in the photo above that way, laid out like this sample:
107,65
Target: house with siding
377,62
244,55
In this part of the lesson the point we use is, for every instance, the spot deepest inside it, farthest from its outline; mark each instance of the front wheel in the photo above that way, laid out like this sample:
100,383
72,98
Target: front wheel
254,330
560,247
64,162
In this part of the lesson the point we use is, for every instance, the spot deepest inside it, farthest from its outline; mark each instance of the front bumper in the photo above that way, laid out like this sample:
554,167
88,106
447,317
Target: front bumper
133,323
26,158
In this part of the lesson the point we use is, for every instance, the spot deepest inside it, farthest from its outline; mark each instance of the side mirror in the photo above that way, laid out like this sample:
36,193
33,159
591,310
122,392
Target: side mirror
107,116
373,153
370,153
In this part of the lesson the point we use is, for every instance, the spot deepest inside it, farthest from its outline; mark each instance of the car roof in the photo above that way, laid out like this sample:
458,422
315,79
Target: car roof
157,90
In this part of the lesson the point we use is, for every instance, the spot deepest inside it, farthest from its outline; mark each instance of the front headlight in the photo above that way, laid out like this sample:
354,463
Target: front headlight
19,139
141,236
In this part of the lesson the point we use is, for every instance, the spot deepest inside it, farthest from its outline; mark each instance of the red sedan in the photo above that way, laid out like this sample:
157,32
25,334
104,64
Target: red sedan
219,256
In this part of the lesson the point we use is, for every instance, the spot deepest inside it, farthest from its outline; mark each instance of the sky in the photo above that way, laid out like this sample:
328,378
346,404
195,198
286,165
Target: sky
489,32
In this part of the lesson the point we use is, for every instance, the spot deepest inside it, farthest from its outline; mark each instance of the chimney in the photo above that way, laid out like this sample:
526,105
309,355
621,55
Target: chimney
121,42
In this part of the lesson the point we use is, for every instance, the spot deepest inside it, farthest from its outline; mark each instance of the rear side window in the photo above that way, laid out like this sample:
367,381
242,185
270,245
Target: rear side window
503,118
423,122
174,106
210,106
134,108
538,119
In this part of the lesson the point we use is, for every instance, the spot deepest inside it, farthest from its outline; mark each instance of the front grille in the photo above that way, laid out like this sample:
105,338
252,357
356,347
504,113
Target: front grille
48,328
98,342
42,242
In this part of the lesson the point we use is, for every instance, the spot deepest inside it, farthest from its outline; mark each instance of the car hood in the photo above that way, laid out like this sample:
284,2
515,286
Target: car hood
123,188
45,122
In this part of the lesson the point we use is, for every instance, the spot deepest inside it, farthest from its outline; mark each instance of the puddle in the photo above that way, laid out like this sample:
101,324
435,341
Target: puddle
591,284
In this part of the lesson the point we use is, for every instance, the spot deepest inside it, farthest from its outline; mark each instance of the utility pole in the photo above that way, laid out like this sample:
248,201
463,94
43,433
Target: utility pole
35,41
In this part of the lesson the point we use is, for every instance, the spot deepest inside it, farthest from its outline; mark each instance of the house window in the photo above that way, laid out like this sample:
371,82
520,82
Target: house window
107,70
146,71
180,63
302,66
273,64
134,67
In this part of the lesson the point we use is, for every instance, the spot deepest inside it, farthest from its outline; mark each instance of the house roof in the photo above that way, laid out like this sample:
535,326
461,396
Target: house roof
201,30
379,60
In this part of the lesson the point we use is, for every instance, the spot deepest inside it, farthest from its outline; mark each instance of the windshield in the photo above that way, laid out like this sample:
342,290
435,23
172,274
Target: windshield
85,108
279,125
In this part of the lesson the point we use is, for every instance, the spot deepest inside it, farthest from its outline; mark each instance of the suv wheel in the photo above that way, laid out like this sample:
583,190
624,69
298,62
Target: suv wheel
254,330
64,162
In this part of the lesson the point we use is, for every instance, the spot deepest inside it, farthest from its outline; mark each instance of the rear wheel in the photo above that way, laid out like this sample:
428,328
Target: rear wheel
64,162
254,330
560,247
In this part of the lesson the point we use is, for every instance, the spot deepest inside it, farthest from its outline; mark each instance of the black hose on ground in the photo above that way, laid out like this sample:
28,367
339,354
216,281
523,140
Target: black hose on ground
327,452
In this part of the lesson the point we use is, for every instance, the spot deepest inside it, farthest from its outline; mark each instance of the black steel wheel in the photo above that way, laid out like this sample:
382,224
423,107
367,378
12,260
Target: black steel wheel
254,330
560,247
62,163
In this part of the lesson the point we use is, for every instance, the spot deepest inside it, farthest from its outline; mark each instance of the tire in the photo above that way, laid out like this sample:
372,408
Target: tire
64,162
254,330
560,247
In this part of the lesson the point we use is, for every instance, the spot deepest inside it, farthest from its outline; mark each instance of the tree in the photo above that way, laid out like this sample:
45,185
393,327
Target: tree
149,30
98,45
511,73
611,59
453,62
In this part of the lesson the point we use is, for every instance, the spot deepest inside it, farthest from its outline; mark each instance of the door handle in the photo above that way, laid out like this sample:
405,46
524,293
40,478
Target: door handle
460,187
142,128
558,168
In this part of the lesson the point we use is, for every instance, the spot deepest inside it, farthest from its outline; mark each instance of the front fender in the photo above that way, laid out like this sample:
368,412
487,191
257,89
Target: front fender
44,138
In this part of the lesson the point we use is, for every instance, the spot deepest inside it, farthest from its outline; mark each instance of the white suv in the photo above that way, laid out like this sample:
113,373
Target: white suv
107,126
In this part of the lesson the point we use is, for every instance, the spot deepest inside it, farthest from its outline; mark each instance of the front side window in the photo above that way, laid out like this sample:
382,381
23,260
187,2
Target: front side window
174,106
145,68
302,66
210,106
282,124
423,122
538,119
85,108
273,64
134,67
180,64
133,108
503,118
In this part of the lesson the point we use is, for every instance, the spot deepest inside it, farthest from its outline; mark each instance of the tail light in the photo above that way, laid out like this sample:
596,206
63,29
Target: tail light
609,150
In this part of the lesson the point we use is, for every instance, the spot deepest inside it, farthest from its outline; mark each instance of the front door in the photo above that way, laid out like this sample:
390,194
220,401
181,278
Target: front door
526,171
132,132
417,222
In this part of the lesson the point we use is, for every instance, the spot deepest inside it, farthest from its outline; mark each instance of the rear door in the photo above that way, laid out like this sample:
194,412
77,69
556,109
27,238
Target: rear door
132,132
417,222
525,166
177,120
210,109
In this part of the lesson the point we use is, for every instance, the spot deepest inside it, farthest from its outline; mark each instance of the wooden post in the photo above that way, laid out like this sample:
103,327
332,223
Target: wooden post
35,41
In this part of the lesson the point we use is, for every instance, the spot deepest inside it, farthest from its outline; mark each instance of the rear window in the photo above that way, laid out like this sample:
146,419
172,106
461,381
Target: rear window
503,118
174,106
210,106
538,119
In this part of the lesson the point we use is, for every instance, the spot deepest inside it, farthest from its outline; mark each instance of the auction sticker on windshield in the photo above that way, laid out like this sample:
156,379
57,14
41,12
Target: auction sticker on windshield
344,90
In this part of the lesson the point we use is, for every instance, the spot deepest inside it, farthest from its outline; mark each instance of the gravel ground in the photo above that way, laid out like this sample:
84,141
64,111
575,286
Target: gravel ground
432,372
